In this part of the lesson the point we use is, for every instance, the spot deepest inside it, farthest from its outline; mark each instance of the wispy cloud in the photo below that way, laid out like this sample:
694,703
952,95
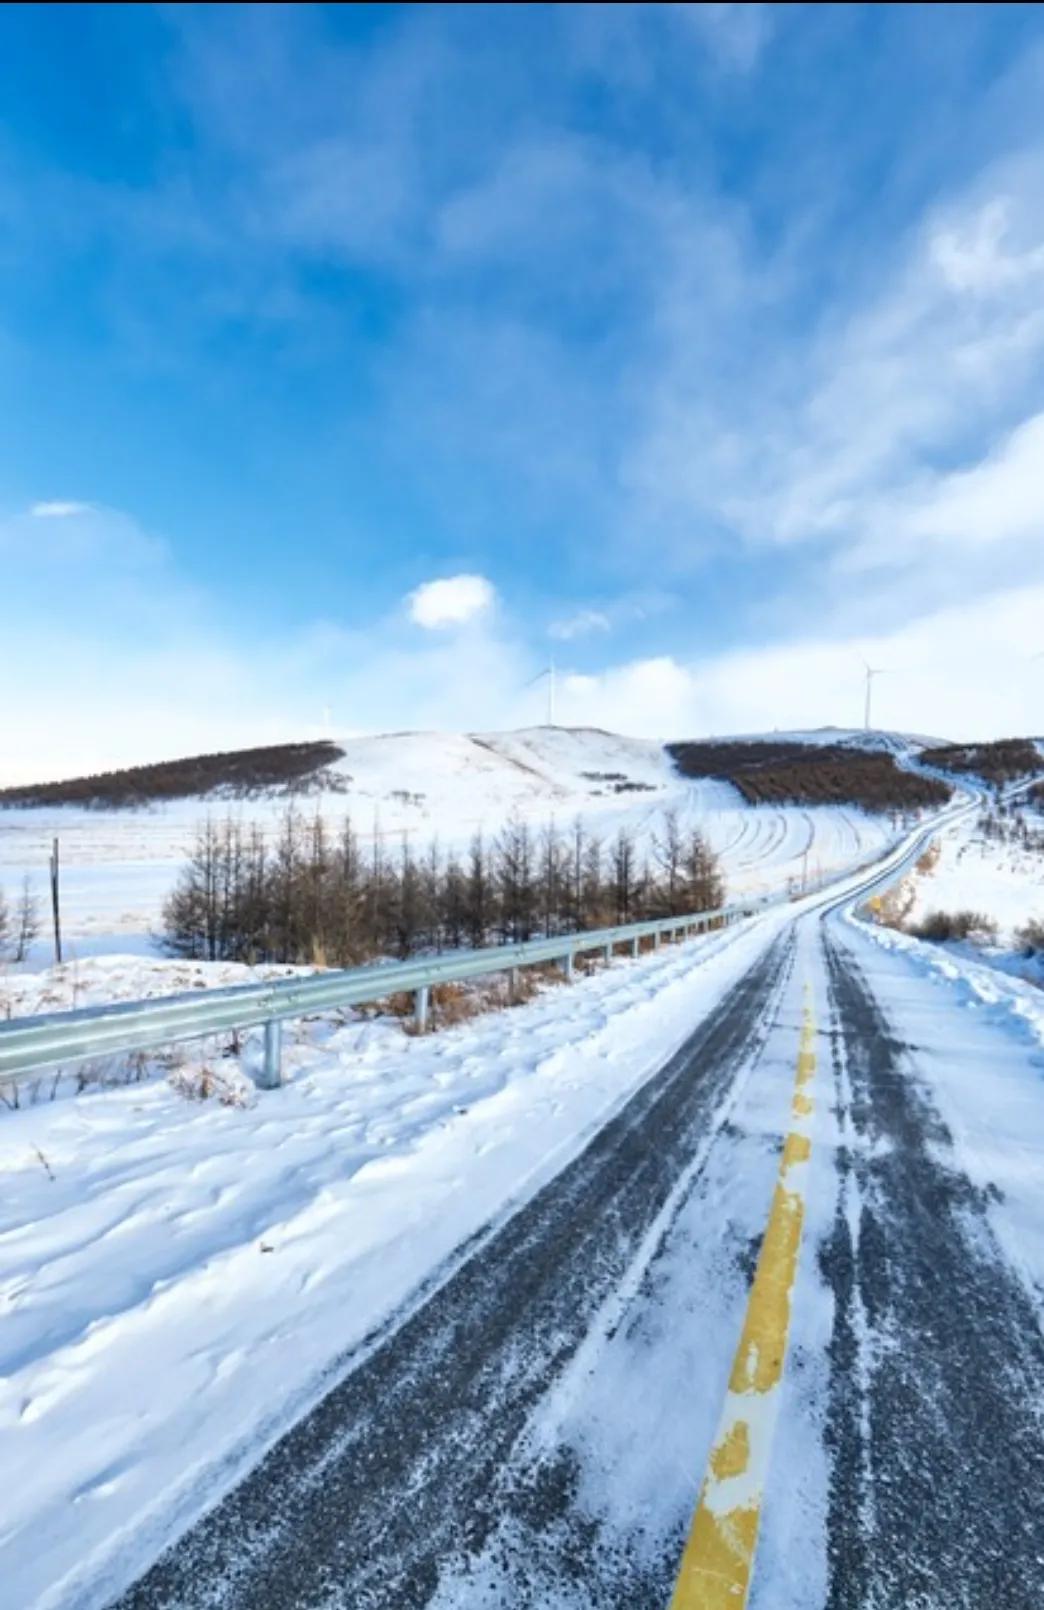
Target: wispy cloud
58,510
736,35
582,624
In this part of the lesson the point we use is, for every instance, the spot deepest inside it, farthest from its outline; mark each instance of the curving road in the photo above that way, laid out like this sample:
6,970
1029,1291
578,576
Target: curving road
537,1432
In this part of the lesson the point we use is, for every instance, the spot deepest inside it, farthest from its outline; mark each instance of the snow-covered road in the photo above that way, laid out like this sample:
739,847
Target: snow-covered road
479,1298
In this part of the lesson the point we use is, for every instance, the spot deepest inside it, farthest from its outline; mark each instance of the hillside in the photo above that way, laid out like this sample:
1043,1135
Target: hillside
124,838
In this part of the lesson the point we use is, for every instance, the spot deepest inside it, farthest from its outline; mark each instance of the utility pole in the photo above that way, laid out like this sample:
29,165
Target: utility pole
56,905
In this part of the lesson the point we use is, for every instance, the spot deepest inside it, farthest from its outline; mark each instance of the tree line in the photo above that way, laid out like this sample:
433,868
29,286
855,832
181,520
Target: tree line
307,894
999,761
786,772
236,773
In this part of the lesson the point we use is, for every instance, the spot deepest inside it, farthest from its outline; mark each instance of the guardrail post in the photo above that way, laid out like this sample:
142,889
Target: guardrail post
635,946
270,1076
566,964
608,954
421,1001
513,983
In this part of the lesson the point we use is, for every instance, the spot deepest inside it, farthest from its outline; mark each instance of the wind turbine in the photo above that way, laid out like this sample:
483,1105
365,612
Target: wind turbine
871,672
549,672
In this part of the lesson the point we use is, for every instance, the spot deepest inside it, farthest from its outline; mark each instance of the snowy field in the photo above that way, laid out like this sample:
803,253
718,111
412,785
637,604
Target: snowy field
1002,879
118,866
180,1280
229,1256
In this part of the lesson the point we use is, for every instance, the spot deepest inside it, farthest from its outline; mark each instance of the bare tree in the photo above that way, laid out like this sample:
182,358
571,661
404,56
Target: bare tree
623,864
314,898
553,880
592,893
668,848
515,881
26,921
704,887
478,895
454,904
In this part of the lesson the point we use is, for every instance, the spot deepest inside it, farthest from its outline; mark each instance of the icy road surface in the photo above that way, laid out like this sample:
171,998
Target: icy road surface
548,1304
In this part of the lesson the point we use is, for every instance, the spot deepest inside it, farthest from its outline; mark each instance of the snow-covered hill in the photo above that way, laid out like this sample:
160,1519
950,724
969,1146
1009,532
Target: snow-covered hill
118,865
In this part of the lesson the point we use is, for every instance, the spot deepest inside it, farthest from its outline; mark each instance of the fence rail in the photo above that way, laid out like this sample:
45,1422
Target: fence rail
60,1039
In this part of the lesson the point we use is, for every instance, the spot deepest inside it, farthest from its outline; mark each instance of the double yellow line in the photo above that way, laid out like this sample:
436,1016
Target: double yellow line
716,1566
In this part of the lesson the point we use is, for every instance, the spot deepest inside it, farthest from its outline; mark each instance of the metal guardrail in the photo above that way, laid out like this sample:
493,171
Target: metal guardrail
60,1038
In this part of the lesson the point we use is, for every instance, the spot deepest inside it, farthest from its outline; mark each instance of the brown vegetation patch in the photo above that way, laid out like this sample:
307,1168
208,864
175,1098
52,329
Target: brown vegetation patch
778,772
237,774
999,762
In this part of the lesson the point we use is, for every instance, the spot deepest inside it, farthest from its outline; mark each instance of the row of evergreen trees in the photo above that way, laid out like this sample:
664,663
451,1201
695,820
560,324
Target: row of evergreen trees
310,896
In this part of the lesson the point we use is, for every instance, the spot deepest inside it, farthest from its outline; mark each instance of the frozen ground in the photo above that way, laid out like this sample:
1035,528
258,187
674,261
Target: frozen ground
118,866
175,1279
478,1295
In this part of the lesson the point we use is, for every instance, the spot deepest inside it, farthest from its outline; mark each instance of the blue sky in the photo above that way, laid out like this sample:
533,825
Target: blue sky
697,345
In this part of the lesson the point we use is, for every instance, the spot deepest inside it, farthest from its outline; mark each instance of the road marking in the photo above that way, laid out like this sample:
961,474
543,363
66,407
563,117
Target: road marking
716,1566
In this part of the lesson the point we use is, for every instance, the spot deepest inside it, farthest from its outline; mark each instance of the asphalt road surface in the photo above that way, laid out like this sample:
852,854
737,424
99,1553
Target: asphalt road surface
536,1432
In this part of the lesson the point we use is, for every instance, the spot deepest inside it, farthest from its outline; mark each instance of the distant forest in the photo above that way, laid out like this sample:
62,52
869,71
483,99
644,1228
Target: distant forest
784,772
1001,761
236,774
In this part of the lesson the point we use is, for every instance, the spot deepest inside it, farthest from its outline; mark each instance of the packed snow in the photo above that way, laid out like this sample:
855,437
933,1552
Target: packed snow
180,1279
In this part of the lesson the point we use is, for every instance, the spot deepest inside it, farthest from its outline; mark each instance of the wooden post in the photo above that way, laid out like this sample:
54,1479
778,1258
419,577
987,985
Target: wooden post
56,905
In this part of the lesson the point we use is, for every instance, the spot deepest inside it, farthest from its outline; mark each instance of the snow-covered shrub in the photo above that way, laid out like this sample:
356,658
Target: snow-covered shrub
939,926
1030,937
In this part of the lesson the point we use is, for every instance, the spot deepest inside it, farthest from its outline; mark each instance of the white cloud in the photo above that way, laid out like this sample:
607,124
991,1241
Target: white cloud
127,662
653,698
581,624
999,499
450,601
56,509
944,356
961,672
977,254
134,665
734,34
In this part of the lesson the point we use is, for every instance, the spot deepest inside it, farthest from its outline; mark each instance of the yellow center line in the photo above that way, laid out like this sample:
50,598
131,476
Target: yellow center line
718,1560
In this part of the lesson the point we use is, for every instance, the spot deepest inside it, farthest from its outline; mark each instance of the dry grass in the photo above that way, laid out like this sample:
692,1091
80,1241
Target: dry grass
927,863
891,909
453,1003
